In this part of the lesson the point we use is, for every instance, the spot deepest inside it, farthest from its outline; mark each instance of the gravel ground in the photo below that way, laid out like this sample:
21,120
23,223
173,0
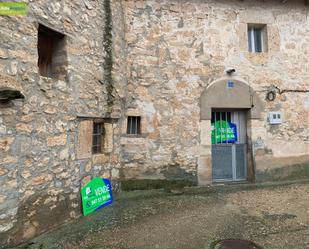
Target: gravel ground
275,217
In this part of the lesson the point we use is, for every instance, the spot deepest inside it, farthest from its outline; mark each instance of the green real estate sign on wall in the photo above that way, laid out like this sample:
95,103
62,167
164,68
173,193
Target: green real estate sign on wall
96,194
223,132
13,9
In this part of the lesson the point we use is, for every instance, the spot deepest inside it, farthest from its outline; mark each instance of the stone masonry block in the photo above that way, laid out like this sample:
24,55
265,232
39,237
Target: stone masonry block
83,149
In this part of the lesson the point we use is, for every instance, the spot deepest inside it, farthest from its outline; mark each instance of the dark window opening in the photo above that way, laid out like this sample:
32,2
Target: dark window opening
97,138
220,116
134,125
52,59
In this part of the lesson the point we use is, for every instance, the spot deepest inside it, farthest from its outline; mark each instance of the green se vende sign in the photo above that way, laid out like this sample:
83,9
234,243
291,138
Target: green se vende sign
223,132
96,194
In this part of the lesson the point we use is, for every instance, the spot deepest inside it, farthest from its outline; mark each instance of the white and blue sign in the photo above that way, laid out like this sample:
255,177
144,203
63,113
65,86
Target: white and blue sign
230,84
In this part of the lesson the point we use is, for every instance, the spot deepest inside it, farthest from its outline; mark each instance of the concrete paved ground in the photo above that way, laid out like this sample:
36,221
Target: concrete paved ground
275,217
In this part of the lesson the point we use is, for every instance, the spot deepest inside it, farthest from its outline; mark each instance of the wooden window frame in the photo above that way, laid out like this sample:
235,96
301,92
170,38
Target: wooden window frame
50,45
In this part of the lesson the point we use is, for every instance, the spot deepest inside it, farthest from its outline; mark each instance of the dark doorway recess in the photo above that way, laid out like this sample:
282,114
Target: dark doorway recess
52,59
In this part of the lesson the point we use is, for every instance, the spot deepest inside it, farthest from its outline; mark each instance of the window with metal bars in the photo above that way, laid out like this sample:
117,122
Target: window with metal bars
220,130
134,125
97,138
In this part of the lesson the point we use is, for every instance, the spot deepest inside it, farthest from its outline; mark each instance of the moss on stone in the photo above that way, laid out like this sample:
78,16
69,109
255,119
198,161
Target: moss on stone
143,184
108,47
291,172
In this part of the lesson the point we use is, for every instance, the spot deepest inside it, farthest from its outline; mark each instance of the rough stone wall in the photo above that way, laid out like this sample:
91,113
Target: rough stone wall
163,56
175,49
40,169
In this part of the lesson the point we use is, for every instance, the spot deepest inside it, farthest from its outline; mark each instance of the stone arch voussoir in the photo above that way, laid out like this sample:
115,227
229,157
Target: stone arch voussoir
230,93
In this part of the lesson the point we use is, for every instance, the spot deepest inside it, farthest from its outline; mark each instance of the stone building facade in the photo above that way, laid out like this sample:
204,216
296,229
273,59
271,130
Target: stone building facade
153,75
46,138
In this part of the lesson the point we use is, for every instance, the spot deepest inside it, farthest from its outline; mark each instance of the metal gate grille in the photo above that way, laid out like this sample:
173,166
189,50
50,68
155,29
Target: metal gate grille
228,155
220,131
222,162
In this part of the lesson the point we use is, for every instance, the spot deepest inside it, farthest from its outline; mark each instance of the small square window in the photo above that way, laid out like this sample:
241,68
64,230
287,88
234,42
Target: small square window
134,125
257,38
52,59
97,138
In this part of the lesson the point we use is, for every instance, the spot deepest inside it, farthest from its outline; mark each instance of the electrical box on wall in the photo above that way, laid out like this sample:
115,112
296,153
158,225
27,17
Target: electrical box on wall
275,118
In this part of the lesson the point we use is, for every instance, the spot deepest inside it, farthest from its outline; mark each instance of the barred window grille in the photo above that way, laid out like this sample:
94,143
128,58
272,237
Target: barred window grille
134,125
220,116
97,138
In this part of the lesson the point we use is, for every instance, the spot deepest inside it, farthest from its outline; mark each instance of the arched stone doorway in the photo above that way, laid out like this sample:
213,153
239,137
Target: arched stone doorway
226,95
